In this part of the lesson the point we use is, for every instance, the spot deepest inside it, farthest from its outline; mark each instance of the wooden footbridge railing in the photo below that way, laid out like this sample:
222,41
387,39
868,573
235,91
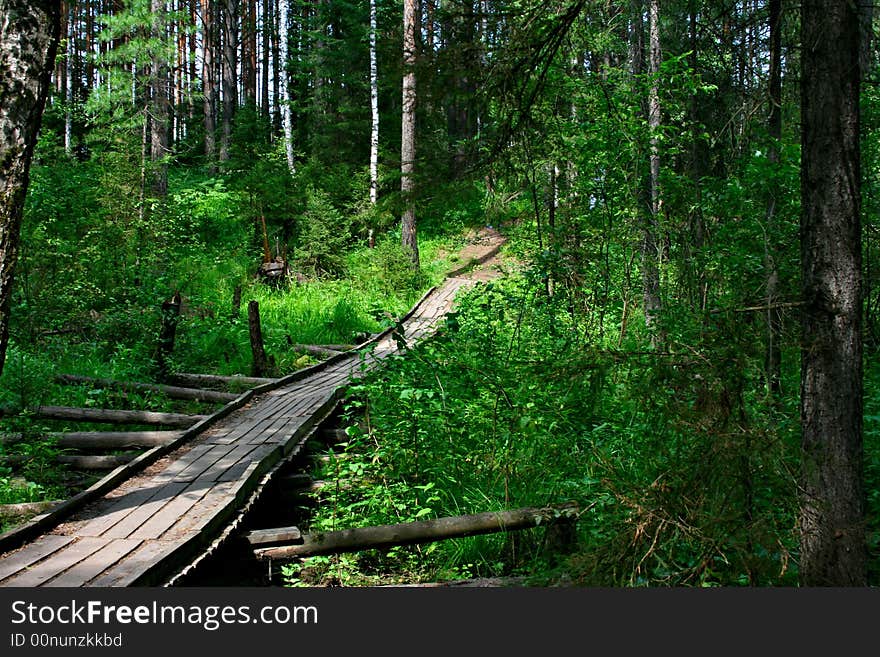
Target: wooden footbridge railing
151,518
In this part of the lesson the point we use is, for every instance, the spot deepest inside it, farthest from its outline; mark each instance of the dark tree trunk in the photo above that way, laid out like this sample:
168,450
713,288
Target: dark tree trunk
773,356
209,81
260,364
159,105
832,532
229,67
28,42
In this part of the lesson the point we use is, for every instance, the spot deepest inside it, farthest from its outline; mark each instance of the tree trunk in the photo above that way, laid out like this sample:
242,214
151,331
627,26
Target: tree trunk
229,68
29,32
209,77
114,416
260,361
650,249
266,36
374,109
172,392
773,356
284,86
409,236
832,514
159,104
423,531
113,439
170,319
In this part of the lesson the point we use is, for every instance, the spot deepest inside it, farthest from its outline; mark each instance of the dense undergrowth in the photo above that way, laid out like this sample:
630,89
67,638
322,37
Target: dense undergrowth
685,469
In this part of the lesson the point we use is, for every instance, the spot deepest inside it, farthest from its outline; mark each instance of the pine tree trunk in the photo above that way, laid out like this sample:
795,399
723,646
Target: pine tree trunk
209,78
408,134
229,68
159,105
266,34
832,515
28,43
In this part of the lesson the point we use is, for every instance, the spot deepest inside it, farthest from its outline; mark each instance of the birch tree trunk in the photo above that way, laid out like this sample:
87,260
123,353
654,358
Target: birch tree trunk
284,86
374,109
833,551
29,32
650,250
409,237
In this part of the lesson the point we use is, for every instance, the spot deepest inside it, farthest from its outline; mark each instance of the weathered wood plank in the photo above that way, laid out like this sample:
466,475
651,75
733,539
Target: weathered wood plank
265,537
180,464
61,560
138,516
32,553
173,511
259,458
197,467
95,564
114,513
137,565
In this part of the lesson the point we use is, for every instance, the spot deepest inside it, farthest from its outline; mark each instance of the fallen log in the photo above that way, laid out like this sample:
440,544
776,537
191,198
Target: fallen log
116,416
91,462
24,509
113,439
174,392
422,531
185,378
314,350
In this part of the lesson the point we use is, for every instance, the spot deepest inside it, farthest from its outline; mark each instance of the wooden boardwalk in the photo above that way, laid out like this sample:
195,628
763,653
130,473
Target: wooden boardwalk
145,525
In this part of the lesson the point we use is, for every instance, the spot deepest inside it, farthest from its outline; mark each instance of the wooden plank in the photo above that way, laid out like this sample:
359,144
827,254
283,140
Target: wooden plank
131,521
277,432
173,511
32,553
193,463
265,537
259,458
95,564
68,556
221,465
210,507
136,565
120,507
